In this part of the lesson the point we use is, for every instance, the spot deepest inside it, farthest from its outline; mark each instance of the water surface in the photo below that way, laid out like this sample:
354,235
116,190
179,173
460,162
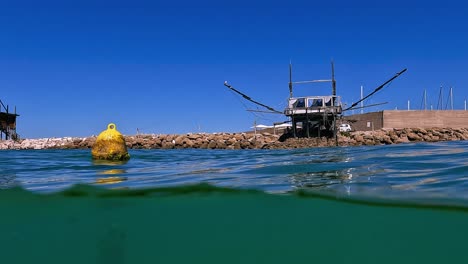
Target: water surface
437,170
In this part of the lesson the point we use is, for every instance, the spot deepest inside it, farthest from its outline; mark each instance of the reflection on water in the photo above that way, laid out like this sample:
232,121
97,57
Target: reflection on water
316,170
321,178
110,162
112,172
111,179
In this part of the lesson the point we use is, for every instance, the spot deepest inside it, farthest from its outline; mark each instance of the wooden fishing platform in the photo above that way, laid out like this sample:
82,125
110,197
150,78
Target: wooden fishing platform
7,123
315,114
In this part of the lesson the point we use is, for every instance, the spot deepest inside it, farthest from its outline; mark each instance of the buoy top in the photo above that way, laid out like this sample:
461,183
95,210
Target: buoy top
111,133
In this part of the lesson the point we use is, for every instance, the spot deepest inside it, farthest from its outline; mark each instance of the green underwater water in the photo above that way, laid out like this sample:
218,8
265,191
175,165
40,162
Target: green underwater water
206,224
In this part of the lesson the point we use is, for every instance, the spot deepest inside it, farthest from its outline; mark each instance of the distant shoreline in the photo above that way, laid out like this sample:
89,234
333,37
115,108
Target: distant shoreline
249,140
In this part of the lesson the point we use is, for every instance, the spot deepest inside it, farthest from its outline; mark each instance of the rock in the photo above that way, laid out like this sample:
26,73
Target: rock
167,145
420,131
413,137
194,136
188,143
245,144
427,138
239,137
212,144
231,141
179,140
386,140
359,138
402,139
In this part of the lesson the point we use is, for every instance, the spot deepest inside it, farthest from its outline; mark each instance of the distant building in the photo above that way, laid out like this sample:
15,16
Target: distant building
389,119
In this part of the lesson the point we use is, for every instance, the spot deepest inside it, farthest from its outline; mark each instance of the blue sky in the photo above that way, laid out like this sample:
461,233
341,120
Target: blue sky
71,68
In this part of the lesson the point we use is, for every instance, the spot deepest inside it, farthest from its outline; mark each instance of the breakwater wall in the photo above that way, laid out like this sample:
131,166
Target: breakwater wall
249,140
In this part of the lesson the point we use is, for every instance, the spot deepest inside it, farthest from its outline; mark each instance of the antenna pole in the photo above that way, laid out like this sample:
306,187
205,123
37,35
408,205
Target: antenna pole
290,81
255,127
333,79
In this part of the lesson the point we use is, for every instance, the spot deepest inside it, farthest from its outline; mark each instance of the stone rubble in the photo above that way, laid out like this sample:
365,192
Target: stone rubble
250,140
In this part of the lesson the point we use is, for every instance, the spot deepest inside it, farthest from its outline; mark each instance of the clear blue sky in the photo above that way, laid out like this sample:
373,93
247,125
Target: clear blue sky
72,68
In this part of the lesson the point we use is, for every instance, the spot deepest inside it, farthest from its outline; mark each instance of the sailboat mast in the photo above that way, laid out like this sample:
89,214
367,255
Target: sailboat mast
425,100
440,102
362,102
451,98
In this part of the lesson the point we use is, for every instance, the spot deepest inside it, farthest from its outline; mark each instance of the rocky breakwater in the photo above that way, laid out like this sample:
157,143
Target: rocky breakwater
202,140
48,143
250,140
377,137
169,141
405,135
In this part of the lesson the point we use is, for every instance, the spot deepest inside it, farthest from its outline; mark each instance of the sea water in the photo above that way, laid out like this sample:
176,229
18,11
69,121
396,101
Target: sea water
403,203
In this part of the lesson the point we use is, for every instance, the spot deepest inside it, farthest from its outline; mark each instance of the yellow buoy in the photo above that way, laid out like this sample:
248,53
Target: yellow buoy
110,145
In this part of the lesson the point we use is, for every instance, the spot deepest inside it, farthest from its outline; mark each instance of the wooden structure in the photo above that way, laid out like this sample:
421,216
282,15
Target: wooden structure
315,114
312,115
7,123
